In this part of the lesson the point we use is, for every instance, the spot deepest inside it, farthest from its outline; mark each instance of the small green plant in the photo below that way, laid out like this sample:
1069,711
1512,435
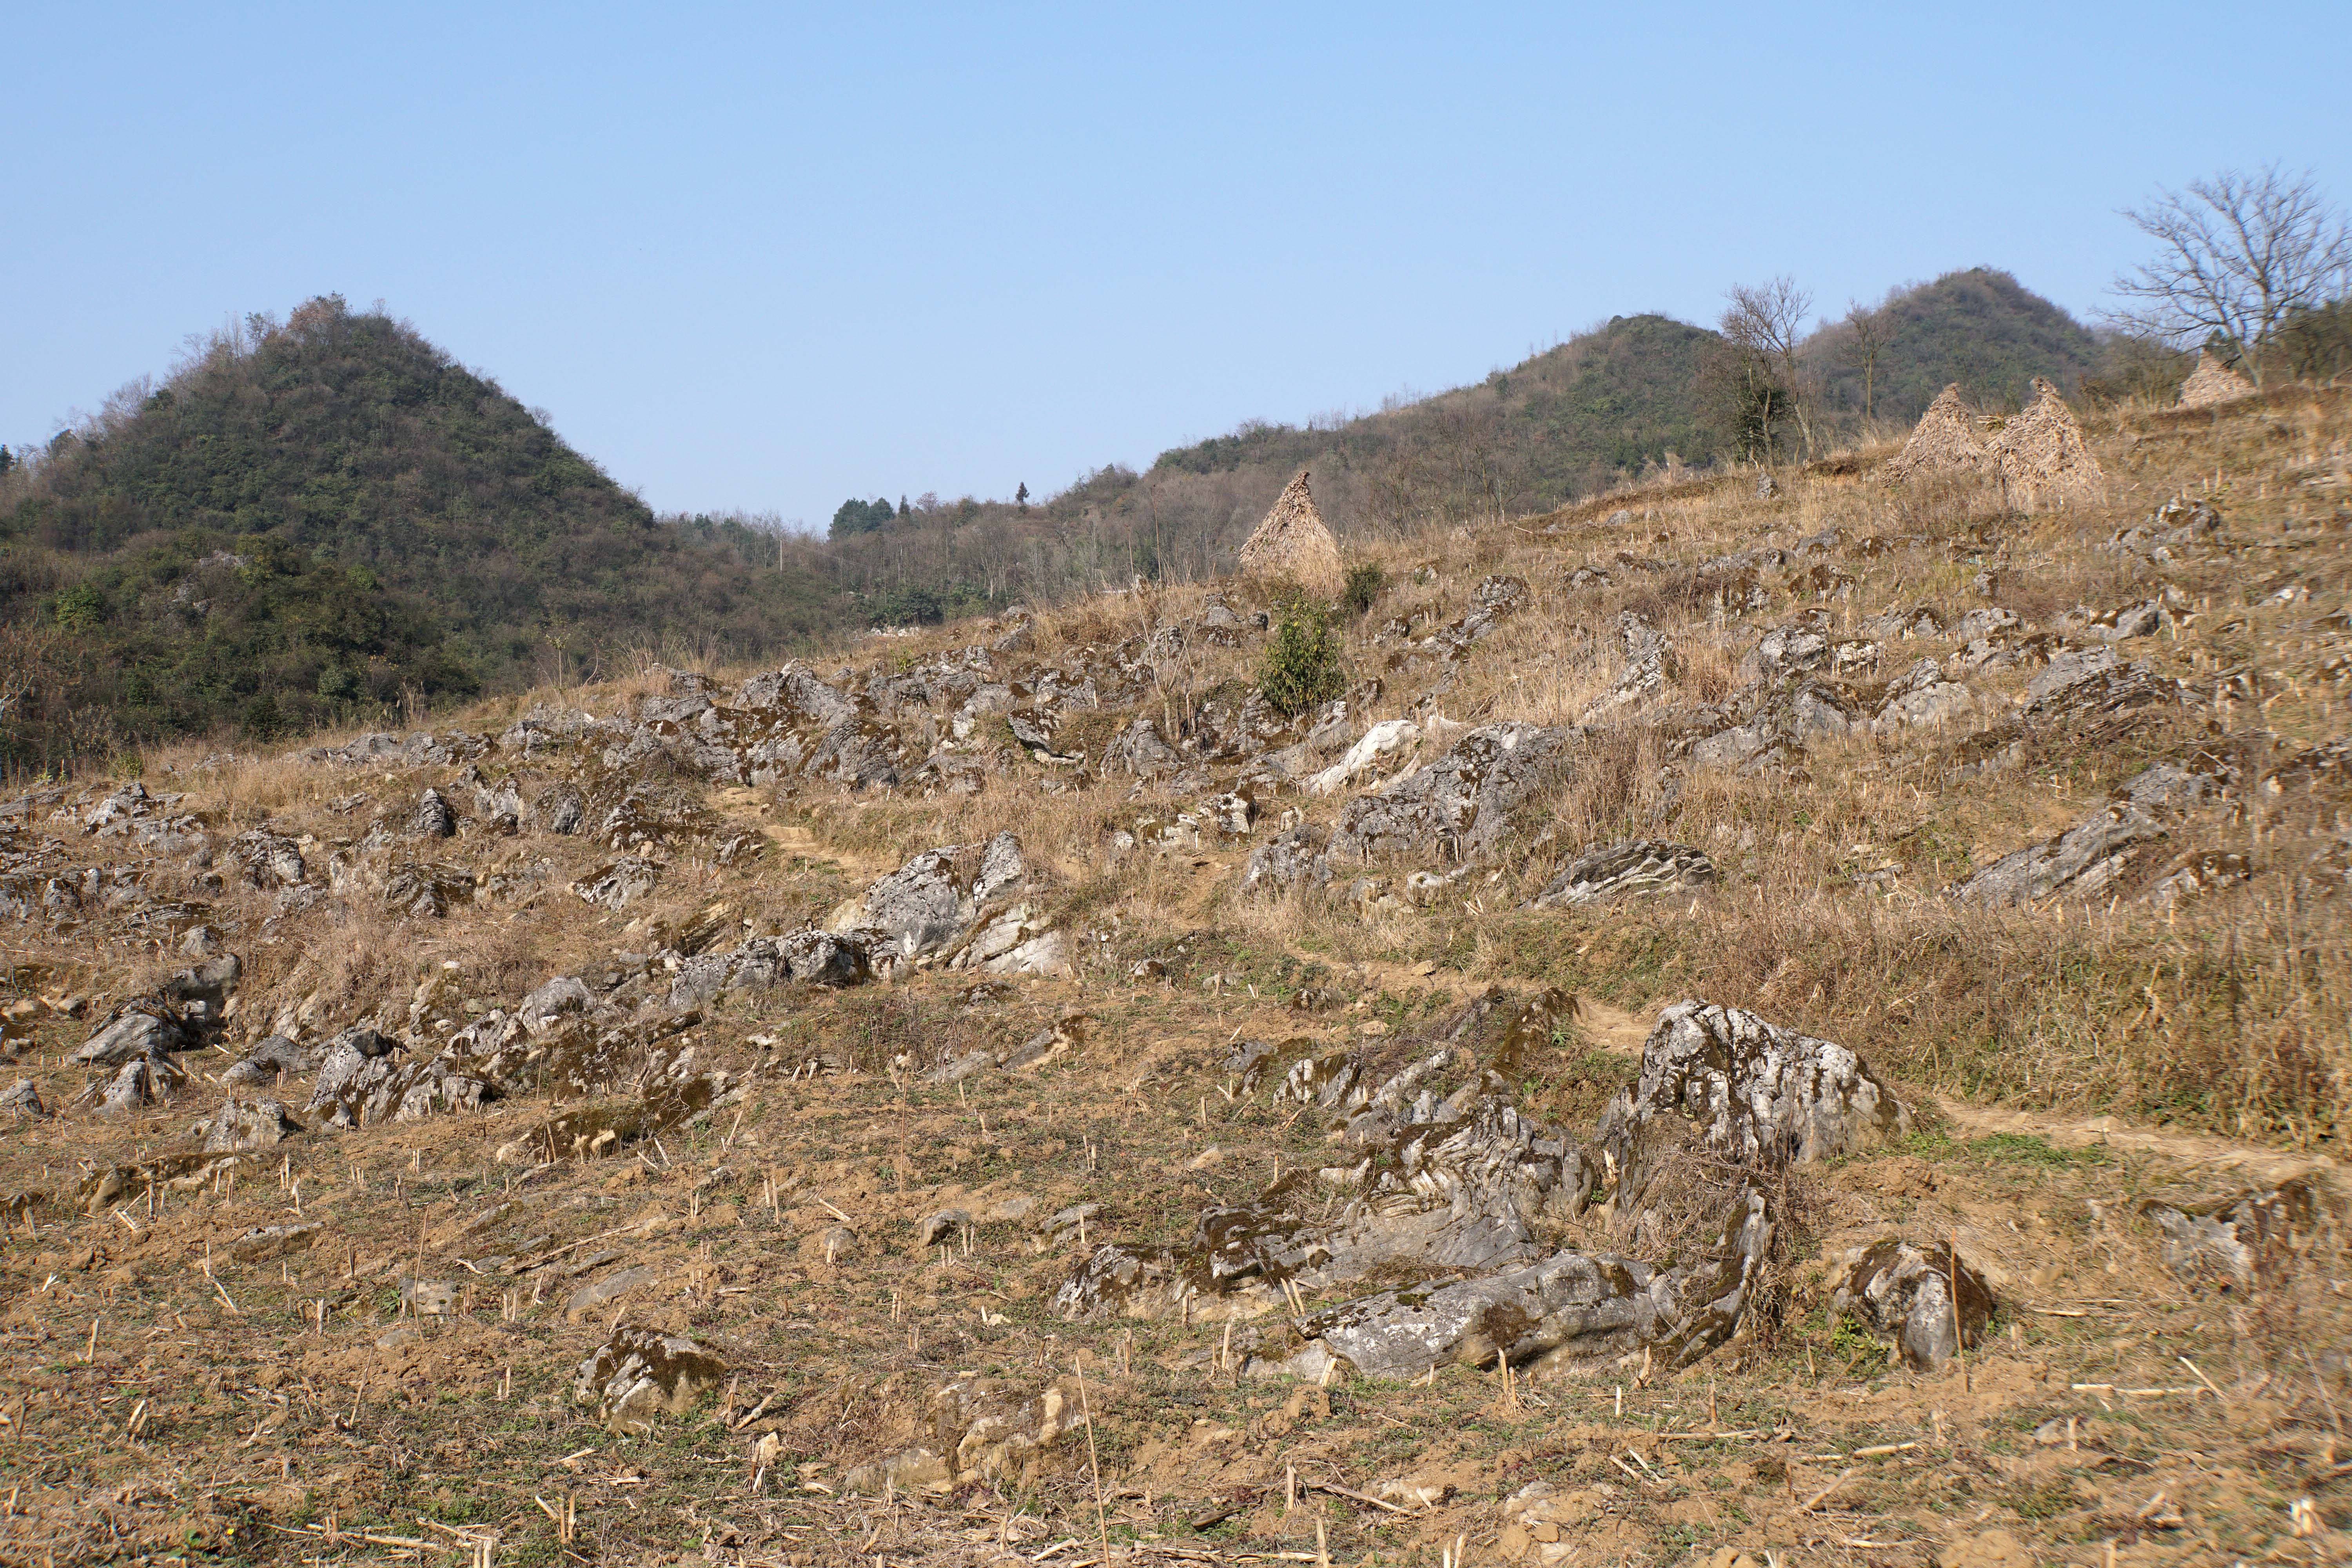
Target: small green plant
1366,579
1302,663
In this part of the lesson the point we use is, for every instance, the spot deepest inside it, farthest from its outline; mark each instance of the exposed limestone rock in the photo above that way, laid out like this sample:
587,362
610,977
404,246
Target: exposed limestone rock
924,905
1903,1294
1458,807
808,957
2102,853
22,1099
639,1374
2231,1244
1633,865
1289,858
137,1030
2212,382
434,817
1384,738
143,1081
617,884
1291,542
1781,719
1734,1086
261,1125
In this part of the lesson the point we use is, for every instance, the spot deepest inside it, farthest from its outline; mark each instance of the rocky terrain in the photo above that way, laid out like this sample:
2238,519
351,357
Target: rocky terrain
1776,1018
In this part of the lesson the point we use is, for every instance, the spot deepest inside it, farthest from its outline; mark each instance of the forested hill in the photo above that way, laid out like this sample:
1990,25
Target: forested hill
1980,327
321,518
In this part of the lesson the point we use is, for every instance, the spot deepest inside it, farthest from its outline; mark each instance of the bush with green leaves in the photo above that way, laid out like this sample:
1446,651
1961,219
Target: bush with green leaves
1365,580
1302,663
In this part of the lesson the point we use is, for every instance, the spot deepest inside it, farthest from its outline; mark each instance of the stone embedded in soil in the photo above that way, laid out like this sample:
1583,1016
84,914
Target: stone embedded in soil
639,1374
22,1099
938,896
1632,866
2228,1244
263,1124
2105,852
265,1243
1903,1294
804,957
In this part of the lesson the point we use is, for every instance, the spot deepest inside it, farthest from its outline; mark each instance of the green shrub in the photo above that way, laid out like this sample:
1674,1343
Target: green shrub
1302,662
1365,580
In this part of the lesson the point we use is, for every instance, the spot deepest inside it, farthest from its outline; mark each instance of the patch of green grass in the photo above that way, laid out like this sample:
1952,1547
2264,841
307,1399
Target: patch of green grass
2031,1149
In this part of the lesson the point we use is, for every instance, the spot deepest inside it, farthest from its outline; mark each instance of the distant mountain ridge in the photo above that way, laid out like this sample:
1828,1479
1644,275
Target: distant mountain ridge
331,517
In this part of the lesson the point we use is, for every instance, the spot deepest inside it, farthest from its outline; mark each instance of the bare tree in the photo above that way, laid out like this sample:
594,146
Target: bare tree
1866,337
1764,321
2237,254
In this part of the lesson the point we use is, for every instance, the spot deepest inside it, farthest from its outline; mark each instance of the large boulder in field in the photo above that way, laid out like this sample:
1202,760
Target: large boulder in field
2229,1243
804,957
1729,1088
925,904
640,1373
1458,807
1904,1294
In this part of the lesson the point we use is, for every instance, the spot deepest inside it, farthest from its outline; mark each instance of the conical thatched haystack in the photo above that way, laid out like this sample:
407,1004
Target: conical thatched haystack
1293,543
2042,458
1945,442
2212,382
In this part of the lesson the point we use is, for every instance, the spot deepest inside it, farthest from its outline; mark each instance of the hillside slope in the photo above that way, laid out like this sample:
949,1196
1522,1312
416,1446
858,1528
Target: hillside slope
1573,1099
1980,327
313,520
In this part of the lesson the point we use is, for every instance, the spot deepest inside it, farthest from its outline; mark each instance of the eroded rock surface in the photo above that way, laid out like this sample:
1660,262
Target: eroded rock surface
1903,1293
1621,869
640,1375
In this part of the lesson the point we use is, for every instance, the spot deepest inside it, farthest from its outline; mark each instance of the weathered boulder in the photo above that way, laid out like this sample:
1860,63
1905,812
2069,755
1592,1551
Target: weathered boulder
22,1099
1922,696
268,860
2178,529
807,957
975,1431
640,1373
1782,719
1571,1310
143,1081
359,1083
1289,858
1903,1294
617,884
136,1031
2231,1243
925,904
260,1125
2103,852
1723,1083
434,817
1632,866
1458,807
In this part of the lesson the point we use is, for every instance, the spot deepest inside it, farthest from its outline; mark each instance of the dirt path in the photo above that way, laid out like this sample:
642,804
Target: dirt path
2248,1160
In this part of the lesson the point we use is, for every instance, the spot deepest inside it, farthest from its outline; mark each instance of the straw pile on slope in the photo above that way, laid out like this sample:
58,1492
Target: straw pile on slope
1945,442
1292,542
2212,382
2042,456
2038,459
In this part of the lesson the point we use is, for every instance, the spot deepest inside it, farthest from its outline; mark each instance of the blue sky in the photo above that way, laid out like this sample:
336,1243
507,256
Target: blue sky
766,258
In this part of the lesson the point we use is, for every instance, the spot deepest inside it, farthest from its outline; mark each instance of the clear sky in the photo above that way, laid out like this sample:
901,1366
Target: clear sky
764,258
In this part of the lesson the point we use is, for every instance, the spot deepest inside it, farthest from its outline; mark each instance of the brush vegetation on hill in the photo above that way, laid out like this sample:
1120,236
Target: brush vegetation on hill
314,519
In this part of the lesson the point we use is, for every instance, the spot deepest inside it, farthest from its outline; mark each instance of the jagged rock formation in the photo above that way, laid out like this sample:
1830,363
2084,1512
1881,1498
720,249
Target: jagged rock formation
1291,542
1633,866
923,905
639,1374
1458,807
2212,382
